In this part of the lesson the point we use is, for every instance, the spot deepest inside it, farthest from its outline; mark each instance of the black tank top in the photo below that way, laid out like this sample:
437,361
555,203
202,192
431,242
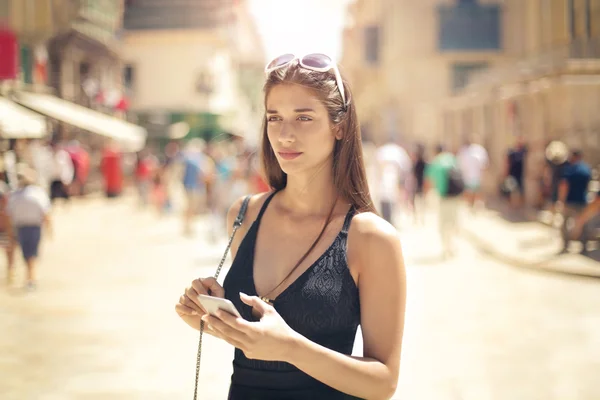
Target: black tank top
322,304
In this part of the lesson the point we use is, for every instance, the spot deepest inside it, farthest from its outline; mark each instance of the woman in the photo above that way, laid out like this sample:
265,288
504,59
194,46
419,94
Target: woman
7,239
418,177
28,209
143,176
316,262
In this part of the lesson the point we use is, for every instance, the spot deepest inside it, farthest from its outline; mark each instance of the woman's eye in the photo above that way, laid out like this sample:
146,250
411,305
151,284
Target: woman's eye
304,118
273,119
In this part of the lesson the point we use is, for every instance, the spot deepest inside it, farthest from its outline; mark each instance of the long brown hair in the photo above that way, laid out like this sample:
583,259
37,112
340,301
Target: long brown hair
349,176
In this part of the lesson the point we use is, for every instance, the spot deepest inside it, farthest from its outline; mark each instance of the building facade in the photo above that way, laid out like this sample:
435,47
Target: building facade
85,66
70,69
551,92
404,57
35,23
192,61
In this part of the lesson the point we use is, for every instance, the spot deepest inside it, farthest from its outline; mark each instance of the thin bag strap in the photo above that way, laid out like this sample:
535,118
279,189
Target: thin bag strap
236,224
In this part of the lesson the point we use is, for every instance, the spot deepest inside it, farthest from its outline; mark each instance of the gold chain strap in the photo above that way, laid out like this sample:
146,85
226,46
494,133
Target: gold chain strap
236,225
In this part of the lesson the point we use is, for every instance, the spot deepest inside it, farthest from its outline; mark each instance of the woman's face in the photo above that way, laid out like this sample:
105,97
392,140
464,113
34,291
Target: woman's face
298,128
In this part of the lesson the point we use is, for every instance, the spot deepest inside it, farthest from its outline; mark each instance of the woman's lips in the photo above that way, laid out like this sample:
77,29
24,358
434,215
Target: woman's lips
287,155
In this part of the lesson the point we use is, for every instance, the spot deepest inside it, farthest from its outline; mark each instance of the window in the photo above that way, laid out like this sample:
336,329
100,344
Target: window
595,18
372,44
4,11
84,69
462,72
469,26
578,22
581,15
129,76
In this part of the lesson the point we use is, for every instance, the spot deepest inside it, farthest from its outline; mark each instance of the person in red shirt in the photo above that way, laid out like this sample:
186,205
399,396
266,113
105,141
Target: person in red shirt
143,176
81,165
112,170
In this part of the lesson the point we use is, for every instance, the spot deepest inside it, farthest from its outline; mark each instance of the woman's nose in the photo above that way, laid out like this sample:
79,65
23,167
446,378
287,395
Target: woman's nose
286,134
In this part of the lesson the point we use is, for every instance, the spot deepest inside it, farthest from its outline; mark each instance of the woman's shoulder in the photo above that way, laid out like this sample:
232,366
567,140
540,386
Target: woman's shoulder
368,225
371,237
254,206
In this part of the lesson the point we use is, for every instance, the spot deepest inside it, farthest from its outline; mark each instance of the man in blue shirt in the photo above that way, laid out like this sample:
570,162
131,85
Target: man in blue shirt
572,192
193,159
588,223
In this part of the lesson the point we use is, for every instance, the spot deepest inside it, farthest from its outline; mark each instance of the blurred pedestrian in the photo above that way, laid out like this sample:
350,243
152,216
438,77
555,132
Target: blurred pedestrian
473,160
170,172
514,174
444,176
258,183
81,166
394,165
572,193
556,160
194,168
112,170
418,178
62,173
159,190
28,209
7,236
587,224
145,165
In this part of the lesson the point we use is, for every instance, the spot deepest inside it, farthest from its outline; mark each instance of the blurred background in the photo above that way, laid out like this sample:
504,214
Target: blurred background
139,122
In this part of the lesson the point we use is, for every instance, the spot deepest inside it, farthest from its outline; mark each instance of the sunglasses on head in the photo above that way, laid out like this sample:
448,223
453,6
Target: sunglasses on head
314,62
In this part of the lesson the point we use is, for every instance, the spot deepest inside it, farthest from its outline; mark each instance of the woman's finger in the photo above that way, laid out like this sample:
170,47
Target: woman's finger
239,324
188,301
235,343
192,294
213,287
225,330
199,287
182,309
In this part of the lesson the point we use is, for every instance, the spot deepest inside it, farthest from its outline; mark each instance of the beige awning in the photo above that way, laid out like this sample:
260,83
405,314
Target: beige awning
17,122
131,137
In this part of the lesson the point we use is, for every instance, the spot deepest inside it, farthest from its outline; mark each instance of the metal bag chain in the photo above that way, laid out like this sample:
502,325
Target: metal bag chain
236,225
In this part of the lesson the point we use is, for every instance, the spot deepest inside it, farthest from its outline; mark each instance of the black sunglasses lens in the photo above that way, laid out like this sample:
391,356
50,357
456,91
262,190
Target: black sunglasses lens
281,60
317,60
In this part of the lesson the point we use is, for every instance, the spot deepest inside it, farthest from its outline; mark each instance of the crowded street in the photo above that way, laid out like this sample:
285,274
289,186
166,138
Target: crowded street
102,325
426,214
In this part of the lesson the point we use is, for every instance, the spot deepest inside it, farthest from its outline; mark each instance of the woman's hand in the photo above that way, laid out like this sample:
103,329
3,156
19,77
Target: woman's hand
270,339
189,308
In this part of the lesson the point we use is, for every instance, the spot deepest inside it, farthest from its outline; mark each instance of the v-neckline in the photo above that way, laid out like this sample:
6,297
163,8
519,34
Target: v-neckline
256,227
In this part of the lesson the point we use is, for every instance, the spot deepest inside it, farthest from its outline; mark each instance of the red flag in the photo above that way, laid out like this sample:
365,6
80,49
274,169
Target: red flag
9,54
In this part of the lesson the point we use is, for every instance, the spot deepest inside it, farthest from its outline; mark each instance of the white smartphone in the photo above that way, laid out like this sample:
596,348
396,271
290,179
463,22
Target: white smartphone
212,304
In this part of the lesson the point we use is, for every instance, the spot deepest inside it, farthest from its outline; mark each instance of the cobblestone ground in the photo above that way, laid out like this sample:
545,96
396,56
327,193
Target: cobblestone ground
102,324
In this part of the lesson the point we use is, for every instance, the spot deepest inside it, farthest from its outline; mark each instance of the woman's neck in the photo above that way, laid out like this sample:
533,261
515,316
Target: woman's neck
310,194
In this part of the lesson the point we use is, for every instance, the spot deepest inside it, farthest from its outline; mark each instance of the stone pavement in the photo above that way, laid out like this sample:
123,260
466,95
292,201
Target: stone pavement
102,323
528,244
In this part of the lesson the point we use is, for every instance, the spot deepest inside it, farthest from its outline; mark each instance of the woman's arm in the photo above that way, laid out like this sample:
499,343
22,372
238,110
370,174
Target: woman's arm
382,288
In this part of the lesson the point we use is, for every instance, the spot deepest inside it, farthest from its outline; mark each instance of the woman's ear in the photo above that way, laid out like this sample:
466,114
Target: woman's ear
337,132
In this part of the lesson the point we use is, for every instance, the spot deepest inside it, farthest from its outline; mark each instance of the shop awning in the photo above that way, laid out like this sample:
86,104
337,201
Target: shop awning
17,122
131,137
